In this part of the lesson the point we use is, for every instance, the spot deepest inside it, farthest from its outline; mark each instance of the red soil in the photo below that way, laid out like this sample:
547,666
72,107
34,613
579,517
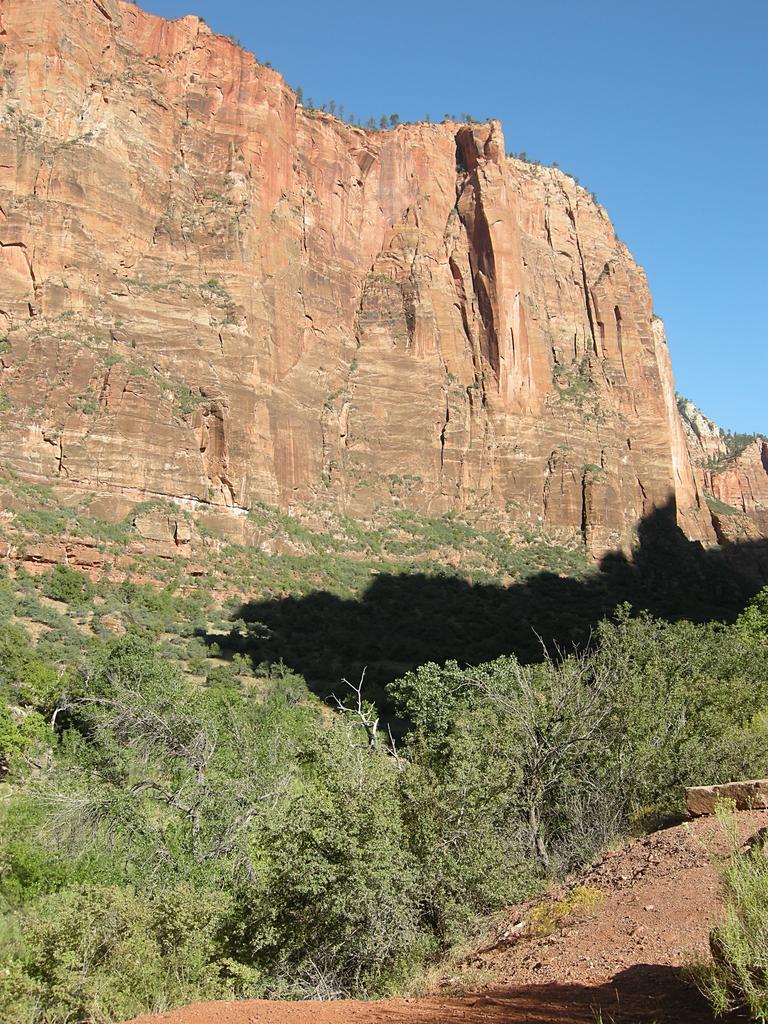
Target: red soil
622,959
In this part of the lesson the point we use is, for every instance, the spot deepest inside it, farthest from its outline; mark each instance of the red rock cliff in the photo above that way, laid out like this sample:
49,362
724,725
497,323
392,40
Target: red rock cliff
210,293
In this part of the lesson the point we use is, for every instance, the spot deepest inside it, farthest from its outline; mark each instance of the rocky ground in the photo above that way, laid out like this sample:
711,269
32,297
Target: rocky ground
637,916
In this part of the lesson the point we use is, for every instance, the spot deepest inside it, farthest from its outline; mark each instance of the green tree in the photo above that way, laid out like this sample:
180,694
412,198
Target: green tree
752,624
63,583
104,953
26,678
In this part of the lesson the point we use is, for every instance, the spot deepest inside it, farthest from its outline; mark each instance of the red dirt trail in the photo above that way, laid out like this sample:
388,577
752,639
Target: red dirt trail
620,962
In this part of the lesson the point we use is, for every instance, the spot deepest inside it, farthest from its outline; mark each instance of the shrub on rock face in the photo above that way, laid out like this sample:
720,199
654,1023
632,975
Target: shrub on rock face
63,583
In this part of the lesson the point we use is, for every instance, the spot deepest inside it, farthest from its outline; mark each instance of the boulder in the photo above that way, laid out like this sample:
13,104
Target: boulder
748,795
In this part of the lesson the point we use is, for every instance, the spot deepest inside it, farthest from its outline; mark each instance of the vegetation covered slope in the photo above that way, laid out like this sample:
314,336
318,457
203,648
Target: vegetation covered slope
196,805
167,838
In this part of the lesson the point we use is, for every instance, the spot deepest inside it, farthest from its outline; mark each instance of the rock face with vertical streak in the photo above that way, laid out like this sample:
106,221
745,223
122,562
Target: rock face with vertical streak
211,293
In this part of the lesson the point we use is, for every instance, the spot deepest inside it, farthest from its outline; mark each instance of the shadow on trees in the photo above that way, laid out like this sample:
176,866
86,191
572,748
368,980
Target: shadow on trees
402,621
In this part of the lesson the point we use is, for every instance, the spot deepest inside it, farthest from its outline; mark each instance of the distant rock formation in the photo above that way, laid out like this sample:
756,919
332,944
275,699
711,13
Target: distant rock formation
733,471
706,441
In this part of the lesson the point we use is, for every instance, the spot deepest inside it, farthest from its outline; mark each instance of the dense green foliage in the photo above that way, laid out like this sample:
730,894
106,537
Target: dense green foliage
166,836
603,741
68,585
737,975
735,443
752,624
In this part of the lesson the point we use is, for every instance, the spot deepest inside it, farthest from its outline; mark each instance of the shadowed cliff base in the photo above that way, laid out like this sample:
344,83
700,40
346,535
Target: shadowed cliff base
402,621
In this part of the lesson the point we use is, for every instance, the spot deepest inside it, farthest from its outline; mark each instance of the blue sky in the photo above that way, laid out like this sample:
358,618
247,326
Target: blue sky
660,108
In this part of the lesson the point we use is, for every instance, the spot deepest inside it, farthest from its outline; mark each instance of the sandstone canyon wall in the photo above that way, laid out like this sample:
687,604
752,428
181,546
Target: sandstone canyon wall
212,294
